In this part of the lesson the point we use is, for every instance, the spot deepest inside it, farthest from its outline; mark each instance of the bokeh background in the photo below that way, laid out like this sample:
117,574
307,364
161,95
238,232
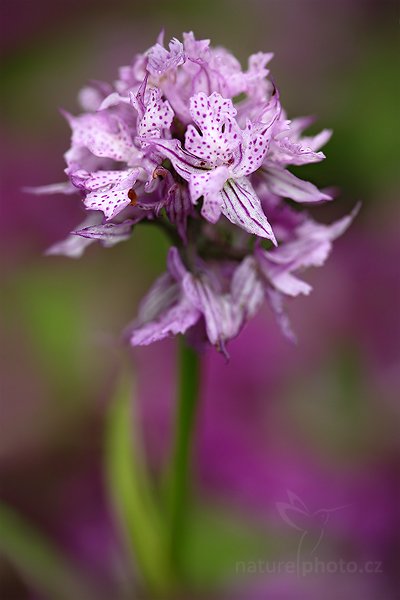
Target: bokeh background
320,420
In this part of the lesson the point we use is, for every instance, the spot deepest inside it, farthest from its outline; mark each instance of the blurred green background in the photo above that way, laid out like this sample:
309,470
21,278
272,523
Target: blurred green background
323,416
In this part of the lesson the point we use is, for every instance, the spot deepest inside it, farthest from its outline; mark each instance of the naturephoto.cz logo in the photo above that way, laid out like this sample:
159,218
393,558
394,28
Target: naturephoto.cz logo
311,526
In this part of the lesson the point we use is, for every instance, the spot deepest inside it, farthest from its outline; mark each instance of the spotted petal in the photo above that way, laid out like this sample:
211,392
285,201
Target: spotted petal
104,135
110,191
219,137
157,117
256,138
242,207
209,184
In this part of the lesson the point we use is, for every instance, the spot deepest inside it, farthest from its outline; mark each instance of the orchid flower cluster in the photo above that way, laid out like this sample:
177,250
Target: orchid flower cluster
189,141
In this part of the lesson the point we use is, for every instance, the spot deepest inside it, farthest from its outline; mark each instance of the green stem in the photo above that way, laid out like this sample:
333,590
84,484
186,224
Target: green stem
189,369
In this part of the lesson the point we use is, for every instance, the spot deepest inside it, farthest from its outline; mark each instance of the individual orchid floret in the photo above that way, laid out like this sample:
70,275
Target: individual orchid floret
161,60
217,158
155,114
277,269
225,314
288,147
105,135
179,299
165,310
311,246
109,191
291,148
232,81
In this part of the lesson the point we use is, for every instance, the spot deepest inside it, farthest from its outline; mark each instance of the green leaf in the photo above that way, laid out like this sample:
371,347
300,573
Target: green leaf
131,493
